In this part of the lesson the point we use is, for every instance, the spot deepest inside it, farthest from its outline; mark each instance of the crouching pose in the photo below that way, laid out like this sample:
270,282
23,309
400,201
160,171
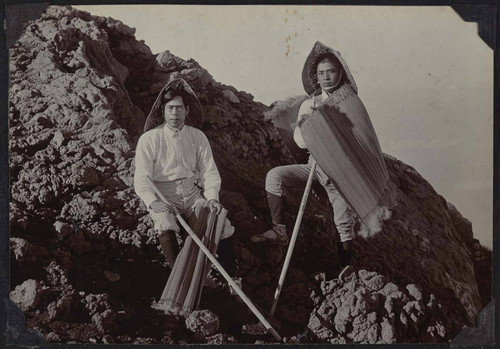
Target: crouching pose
332,124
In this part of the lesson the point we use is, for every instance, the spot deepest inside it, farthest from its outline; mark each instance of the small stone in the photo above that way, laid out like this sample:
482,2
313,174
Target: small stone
19,248
403,318
203,322
366,275
59,139
105,321
338,340
230,96
388,333
53,337
414,291
389,288
372,334
63,229
111,276
375,283
61,308
108,339
28,295
220,338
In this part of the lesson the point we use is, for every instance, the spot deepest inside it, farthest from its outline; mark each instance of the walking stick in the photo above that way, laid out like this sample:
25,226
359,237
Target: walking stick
293,239
219,267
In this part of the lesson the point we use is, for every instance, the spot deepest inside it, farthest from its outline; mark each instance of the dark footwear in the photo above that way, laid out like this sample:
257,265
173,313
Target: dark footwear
344,250
347,274
277,208
169,247
276,235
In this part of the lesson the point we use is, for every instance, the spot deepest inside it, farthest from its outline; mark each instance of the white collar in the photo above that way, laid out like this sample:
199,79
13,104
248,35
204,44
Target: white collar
170,131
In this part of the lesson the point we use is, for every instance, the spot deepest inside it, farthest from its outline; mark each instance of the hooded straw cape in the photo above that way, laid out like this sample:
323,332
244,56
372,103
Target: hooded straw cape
340,136
195,116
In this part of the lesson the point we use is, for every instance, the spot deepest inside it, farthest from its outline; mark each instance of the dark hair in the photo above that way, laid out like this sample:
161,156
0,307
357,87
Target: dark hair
175,90
329,56
334,59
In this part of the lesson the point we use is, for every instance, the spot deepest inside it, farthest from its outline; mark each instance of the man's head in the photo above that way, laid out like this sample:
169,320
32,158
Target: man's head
167,110
174,109
329,73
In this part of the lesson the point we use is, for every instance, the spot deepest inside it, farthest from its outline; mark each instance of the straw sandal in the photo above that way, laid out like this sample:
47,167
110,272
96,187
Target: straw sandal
276,235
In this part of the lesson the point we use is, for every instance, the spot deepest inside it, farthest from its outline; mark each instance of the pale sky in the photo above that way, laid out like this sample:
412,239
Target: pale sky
424,75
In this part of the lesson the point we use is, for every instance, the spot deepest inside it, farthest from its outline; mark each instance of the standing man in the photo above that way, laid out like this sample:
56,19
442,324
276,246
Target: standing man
178,159
333,125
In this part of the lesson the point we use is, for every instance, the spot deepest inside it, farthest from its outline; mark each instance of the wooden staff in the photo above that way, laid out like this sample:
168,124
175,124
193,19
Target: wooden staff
293,239
219,267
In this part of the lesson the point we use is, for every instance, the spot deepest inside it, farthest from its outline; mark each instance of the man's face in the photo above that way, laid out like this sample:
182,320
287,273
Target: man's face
175,112
328,73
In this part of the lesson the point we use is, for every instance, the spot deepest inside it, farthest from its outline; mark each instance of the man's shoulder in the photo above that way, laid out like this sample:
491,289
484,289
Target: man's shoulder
194,131
308,102
151,134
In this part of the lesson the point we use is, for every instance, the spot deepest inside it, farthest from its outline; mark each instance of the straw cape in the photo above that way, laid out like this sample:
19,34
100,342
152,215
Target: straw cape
341,138
182,293
195,116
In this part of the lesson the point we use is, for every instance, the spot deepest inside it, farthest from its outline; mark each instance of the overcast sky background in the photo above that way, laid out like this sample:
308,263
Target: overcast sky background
424,75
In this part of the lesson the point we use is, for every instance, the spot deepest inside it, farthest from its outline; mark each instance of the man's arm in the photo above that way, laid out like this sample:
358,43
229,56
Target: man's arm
144,157
209,174
297,133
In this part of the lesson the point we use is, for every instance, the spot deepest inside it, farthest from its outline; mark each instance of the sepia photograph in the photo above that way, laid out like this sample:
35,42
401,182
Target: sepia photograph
249,174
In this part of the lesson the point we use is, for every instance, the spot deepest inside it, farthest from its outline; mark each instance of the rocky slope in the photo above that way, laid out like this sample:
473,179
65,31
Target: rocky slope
85,262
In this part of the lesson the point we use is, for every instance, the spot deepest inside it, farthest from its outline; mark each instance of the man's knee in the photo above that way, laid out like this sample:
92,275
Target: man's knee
167,235
274,181
164,221
346,233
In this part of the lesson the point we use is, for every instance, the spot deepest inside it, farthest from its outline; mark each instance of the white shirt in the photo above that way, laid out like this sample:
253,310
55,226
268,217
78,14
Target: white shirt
306,108
166,154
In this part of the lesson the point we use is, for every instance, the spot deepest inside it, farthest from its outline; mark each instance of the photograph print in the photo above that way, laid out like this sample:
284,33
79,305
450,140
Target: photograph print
248,174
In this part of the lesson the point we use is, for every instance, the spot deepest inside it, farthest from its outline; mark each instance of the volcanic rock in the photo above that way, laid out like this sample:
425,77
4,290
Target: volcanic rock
221,338
106,322
61,308
28,295
203,322
374,315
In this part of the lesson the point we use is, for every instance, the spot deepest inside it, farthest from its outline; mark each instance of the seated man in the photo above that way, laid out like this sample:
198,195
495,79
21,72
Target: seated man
179,161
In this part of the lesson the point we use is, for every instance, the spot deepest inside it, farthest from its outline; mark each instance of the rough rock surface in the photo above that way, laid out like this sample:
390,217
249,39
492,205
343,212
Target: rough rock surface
28,295
203,322
367,309
80,87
